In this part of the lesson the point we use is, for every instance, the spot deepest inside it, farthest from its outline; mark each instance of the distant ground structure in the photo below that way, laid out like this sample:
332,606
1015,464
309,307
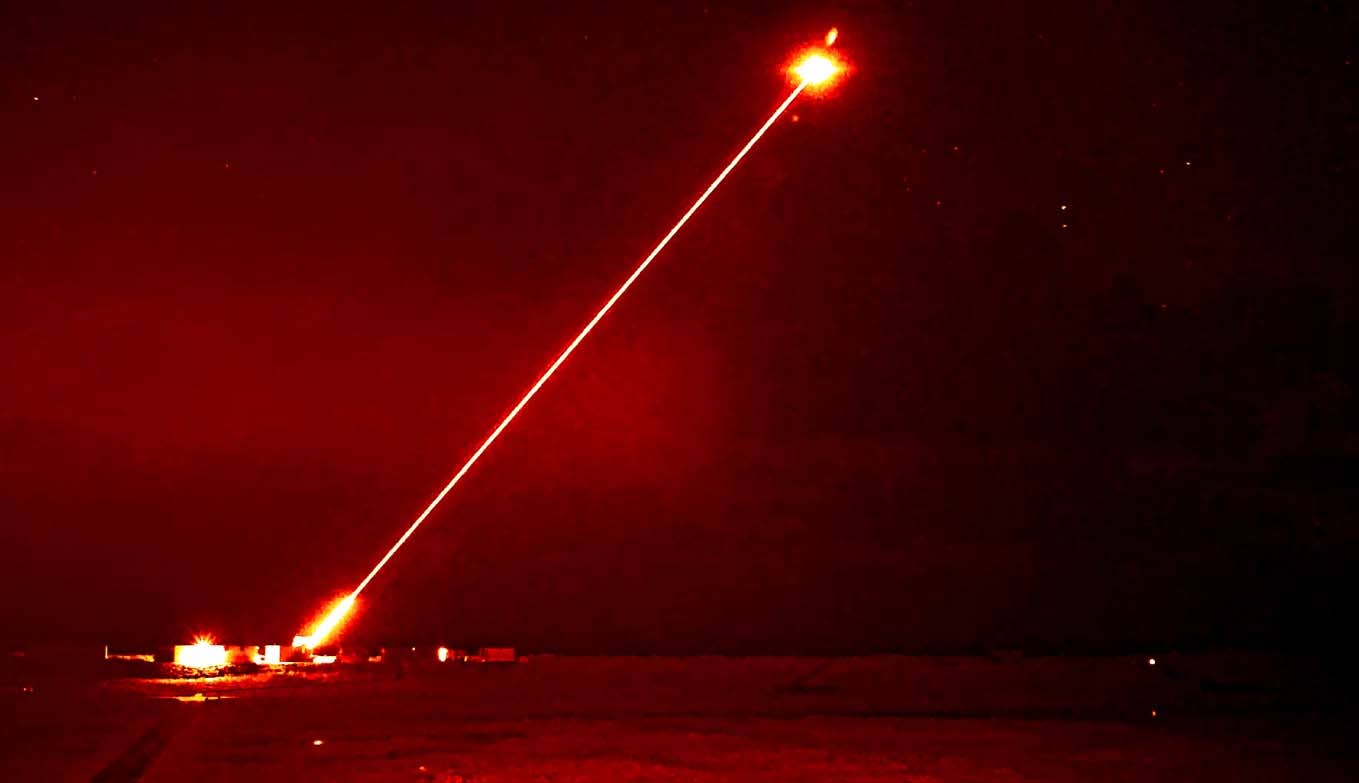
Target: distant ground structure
495,655
444,654
206,653
110,655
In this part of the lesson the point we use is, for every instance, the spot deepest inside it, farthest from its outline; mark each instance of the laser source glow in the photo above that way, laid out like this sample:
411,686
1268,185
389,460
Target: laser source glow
813,70
328,624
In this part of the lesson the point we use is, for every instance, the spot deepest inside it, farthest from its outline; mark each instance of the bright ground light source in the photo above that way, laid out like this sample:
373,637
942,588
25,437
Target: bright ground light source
202,654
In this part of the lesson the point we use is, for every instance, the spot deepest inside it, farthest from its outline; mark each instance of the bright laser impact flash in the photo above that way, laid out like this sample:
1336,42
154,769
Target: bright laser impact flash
815,69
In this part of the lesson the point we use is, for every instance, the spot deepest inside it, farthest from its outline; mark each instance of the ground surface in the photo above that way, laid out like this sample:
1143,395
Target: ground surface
702,719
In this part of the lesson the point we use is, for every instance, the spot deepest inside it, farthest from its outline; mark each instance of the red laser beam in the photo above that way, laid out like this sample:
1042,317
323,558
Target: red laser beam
811,73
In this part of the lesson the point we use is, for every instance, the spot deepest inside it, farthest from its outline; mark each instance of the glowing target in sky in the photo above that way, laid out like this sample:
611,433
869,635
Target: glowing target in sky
815,69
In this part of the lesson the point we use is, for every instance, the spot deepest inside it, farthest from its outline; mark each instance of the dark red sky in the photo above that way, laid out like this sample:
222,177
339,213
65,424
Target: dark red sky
266,277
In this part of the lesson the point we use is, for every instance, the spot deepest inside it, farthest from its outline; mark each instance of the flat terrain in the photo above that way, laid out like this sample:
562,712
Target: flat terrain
698,719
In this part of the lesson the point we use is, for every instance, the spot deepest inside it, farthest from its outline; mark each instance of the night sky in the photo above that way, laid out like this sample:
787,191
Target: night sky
1038,331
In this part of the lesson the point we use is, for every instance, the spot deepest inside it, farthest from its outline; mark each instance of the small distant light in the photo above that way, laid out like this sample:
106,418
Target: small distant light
35,97
318,742
835,33
1063,207
1160,171
1189,163
797,118
1152,661
1153,713
443,655
1063,225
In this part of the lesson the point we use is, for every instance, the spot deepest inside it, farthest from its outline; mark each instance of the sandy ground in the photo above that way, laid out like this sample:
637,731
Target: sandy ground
703,719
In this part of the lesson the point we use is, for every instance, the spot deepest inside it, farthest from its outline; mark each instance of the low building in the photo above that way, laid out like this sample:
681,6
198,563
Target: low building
496,654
